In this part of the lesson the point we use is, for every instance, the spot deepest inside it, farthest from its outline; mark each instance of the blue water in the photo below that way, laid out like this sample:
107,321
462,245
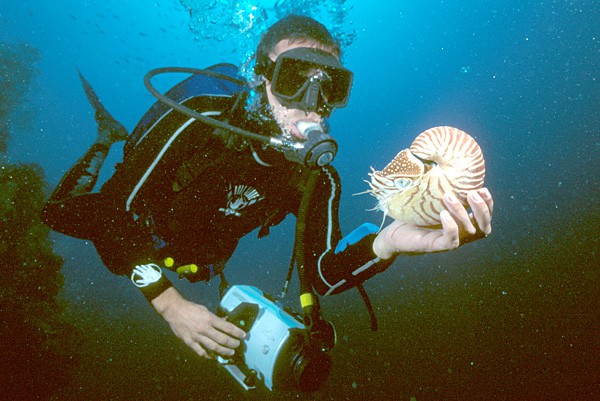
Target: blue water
512,317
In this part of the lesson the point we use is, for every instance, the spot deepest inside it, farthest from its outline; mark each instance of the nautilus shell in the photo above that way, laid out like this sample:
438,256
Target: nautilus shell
442,159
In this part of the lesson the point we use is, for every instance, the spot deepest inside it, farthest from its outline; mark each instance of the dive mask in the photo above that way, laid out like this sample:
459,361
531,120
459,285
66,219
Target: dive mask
309,79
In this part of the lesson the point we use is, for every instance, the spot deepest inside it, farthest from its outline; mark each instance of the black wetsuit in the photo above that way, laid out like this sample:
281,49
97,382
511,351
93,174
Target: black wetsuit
202,196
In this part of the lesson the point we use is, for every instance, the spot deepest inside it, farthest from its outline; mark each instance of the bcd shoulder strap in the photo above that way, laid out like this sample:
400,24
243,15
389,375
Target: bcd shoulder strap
199,162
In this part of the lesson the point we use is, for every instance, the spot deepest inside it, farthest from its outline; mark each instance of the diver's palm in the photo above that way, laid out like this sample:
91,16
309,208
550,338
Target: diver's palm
406,238
458,227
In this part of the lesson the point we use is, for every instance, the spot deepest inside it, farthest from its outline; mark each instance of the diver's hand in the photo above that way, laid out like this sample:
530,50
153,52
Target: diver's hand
206,333
458,228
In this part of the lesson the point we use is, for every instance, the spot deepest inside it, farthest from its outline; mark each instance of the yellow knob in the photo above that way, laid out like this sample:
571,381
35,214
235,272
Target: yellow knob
306,299
169,262
187,269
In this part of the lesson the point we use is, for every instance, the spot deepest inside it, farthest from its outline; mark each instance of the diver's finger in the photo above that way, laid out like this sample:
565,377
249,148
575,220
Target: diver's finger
224,339
487,197
481,212
228,328
212,347
458,212
198,349
451,234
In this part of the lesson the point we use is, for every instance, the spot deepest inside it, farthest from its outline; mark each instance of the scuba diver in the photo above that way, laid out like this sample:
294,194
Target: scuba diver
186,192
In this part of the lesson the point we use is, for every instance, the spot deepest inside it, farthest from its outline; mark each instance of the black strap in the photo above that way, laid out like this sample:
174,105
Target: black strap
223,285
290,272
311,182
311,314
365,297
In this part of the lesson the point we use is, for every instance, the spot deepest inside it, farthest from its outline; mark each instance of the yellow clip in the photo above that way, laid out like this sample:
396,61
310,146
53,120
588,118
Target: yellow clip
187,269
306,299
169,262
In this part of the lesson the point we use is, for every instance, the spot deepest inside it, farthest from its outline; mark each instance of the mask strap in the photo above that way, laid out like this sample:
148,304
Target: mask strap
268,68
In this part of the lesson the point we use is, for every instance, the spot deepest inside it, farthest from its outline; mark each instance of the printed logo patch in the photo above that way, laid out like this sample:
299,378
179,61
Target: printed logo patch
144,275
240,197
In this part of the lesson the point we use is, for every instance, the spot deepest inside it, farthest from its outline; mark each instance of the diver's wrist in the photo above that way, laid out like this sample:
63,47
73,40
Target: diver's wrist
149,278
166,300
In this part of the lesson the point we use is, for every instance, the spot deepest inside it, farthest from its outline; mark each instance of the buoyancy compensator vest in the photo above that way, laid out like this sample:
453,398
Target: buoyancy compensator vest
165,137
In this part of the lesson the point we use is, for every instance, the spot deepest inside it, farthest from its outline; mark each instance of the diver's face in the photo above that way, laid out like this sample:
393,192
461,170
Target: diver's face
288,118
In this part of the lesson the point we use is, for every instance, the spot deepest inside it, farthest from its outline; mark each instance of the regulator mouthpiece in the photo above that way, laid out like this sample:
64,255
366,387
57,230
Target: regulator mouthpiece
305,126
318,150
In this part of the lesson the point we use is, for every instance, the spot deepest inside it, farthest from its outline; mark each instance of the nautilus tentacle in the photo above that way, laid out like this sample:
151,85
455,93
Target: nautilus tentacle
442,159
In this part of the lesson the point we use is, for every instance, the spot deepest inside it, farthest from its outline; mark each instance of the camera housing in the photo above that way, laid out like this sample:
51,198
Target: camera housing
276,350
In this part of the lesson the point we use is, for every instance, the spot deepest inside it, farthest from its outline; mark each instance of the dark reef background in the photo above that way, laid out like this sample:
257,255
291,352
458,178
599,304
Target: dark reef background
38,345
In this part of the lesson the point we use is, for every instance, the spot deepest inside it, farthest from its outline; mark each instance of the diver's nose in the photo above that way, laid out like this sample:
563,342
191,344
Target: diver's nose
310,99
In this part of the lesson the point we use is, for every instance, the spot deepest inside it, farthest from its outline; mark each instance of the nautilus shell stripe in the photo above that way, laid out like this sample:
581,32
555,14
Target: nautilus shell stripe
440,160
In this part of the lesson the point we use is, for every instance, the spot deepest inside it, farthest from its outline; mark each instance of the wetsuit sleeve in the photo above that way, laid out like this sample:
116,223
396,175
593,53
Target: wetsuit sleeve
124,246
337,264
127,248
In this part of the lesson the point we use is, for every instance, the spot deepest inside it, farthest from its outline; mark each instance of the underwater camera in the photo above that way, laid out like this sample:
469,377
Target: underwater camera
277,350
